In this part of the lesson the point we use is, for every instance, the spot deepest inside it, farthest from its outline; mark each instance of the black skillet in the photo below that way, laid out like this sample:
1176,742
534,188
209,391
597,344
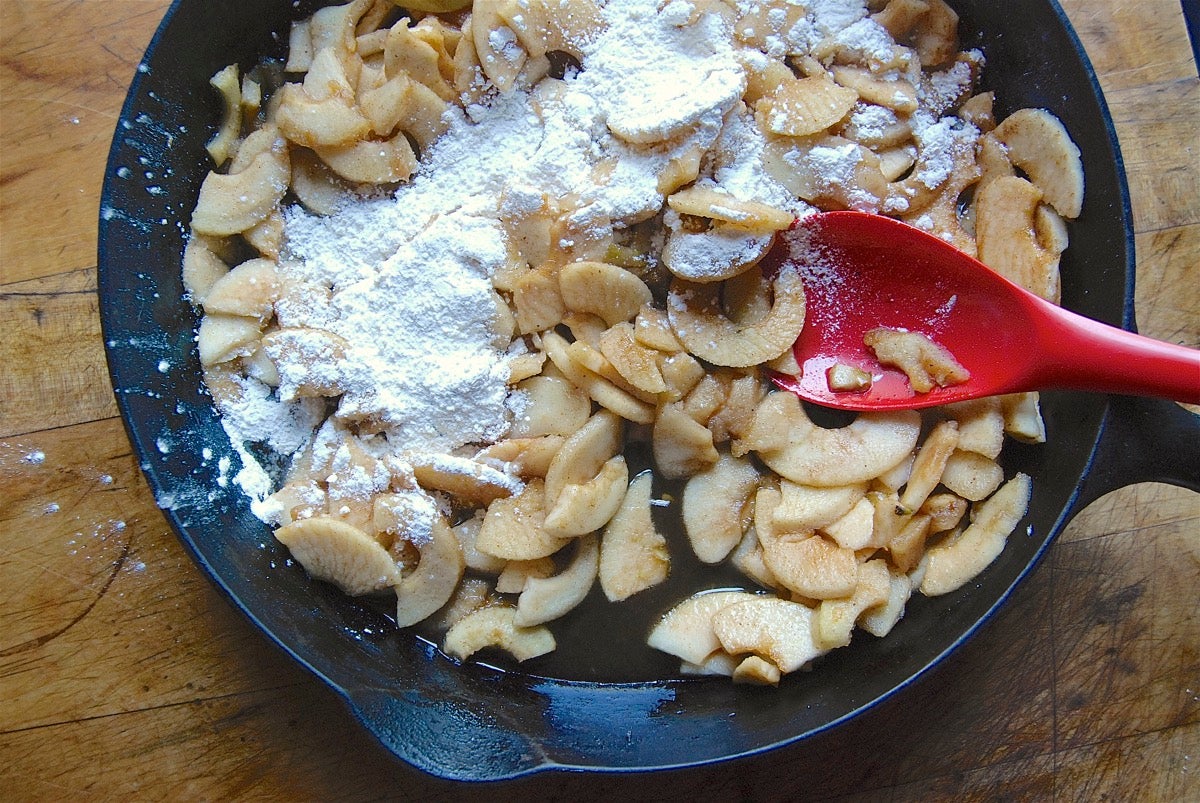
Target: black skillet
478,722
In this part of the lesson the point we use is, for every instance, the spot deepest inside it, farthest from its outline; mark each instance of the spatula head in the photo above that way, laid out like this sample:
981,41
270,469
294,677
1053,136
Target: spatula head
864,272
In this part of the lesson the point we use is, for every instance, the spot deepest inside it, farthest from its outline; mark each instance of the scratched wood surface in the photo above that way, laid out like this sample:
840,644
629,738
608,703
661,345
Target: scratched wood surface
123,673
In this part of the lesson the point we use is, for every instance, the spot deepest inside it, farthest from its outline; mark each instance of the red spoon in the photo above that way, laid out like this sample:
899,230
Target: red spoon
864,271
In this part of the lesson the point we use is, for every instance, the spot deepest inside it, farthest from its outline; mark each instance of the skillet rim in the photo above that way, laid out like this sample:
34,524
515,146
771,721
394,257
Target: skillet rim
356,695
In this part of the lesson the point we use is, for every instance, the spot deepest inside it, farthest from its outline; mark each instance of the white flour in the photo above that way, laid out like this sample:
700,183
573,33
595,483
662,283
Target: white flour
410,275
405,281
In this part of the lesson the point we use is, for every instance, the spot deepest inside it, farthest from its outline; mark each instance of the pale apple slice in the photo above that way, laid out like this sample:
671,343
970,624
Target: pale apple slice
633,553
686,630
332,550
494,626
774,629
713,501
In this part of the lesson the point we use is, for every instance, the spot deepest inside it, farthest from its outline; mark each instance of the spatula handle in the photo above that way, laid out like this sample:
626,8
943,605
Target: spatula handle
1083,354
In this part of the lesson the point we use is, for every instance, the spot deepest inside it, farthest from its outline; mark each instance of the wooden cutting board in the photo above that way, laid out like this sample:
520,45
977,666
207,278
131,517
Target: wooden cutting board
123,673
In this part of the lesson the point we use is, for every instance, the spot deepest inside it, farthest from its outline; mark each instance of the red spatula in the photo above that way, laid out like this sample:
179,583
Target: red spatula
865,271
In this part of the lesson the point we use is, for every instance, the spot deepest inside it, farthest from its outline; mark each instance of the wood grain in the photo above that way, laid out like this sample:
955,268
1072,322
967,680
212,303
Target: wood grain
125,674
65,69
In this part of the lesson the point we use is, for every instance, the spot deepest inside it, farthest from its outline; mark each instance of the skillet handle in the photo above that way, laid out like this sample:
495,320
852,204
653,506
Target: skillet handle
1142,439
446,737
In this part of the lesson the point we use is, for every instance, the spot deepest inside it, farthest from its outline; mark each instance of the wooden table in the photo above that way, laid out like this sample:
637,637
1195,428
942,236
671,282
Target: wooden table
124,674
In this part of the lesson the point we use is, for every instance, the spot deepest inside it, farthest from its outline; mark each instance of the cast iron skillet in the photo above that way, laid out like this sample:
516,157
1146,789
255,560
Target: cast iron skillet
476,722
